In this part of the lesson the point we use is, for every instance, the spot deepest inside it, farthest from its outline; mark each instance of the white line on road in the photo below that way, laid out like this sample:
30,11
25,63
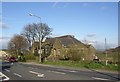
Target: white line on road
2,75
17,74
32,68
99,78
7,70
73,71
67,70
34,72
57,72
38,74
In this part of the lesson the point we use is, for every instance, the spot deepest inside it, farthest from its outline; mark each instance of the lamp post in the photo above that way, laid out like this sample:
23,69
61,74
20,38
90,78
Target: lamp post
40,51
106,51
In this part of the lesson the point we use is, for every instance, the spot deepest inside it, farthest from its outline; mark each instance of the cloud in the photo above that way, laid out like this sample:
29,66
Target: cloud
101,45
3,42
3,25
98,45
55,35
104,8
66,5
91,35
4,38
54,4
89,41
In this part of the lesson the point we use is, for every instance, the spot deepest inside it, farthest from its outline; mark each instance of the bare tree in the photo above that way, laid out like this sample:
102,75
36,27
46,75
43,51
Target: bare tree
36,31
29,33
17,44
45,31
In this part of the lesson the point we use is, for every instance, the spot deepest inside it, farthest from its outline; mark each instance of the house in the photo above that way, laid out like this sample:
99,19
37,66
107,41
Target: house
3,54
35,48
60,45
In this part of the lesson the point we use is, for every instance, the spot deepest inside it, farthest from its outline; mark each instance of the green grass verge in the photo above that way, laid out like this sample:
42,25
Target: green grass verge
84,64
102,65
65,63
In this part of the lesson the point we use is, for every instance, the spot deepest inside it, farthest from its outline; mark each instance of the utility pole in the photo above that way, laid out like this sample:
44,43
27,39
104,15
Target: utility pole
106,52
40,36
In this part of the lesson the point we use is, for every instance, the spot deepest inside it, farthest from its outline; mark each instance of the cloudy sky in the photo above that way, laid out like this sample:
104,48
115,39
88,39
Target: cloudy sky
89,22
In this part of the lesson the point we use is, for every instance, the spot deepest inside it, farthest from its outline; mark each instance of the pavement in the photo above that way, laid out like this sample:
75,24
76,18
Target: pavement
33,71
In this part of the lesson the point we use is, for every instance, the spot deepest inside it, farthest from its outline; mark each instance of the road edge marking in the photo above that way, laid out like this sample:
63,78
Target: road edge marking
97,78
67,70
7,78
7,70
57,72
17,74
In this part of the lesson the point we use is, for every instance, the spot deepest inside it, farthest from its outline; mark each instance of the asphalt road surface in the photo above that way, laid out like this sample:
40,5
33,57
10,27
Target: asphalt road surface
21,71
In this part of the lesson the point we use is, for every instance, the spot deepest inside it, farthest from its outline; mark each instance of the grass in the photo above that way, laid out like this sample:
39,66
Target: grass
65,63
103,66
75,64
84,64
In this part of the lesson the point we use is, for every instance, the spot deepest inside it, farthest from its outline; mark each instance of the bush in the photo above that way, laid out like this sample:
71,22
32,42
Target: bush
21,59
74,54
30,57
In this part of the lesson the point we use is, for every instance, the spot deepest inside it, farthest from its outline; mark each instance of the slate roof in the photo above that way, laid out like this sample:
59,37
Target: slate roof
50,40
65,40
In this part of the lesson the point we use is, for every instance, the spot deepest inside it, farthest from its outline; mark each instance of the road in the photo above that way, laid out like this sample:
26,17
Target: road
21,71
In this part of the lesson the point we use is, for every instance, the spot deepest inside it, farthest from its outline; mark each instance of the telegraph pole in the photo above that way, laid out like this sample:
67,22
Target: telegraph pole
40,36
106,52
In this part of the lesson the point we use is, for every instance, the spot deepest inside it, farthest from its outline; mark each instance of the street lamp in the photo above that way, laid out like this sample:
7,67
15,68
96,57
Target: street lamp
40,51
106,51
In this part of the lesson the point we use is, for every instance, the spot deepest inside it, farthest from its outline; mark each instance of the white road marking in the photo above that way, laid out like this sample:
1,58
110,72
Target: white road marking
73,71
99,78
7,70
32,68
38,74
34,72
3,75
17,74
57,72
62,70
67,70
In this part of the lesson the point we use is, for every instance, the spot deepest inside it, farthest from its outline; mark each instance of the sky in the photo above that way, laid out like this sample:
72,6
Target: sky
89,22
60,0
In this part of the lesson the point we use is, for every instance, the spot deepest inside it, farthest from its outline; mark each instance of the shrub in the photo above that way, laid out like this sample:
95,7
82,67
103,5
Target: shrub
30,57
21,59
74,54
